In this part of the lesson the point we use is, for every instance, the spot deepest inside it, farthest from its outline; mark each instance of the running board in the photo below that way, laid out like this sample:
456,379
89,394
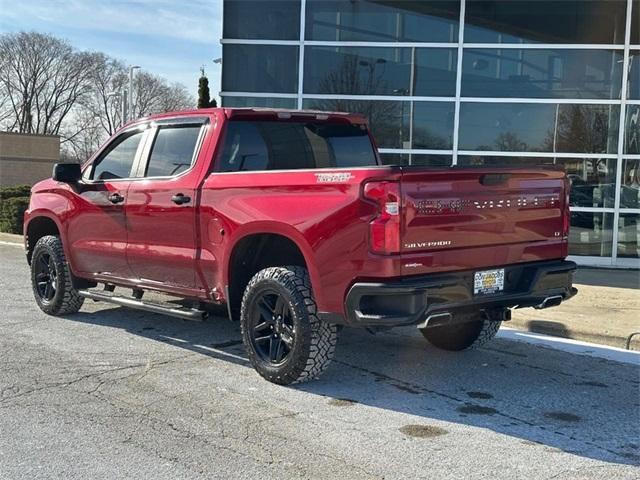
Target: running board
184,313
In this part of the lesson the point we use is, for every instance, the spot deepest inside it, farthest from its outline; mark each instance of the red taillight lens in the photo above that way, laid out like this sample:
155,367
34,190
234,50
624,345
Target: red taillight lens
384,230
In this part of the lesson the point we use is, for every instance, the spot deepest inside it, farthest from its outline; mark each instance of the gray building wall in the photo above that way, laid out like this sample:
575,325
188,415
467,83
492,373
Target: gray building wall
26,159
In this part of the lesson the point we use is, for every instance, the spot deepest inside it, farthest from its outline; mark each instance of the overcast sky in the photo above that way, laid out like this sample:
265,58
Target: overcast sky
172,38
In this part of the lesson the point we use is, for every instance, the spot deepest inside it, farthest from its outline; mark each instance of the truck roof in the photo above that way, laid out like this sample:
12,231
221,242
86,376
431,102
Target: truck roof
284,114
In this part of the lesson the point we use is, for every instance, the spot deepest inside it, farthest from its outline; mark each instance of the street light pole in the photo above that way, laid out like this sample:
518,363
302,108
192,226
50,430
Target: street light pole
218,61
125,111
130,102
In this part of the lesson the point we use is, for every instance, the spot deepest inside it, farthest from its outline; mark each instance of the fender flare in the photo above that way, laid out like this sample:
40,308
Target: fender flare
45,213
283,230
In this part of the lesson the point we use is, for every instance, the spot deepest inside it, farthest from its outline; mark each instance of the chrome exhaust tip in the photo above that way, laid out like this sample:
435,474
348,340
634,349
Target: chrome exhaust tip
435,319
553,301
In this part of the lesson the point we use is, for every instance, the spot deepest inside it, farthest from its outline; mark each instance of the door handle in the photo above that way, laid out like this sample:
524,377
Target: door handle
116,198
180,198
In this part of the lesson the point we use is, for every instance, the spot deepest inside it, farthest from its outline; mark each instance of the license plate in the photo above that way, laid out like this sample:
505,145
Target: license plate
489,281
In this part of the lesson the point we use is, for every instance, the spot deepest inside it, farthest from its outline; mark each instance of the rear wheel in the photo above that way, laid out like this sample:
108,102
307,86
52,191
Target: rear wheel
51,278
462,336
285,341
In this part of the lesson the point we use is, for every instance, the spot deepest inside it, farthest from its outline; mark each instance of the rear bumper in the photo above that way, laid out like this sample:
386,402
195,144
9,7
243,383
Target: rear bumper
411,301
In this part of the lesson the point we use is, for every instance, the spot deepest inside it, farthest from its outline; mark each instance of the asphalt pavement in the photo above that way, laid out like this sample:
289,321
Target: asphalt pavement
115,393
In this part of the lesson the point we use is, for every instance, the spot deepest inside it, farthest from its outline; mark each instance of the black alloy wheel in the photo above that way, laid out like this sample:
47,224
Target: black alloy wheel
272,329
51,278
284,339
46,276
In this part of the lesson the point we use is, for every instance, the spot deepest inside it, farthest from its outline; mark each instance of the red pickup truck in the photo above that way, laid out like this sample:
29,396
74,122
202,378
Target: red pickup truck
290,220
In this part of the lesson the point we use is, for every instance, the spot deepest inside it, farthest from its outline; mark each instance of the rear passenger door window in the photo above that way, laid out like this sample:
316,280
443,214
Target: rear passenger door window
118,161
172,151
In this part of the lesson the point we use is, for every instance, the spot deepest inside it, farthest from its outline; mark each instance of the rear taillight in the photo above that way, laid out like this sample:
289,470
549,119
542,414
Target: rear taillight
384,229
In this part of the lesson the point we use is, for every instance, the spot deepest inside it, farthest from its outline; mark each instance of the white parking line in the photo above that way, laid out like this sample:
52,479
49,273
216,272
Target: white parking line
572,346
2,242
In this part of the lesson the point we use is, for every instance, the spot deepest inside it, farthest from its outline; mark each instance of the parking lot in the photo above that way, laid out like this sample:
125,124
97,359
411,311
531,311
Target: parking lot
114,393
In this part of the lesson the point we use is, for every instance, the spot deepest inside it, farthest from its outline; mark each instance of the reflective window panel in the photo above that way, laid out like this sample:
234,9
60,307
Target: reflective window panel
538,73
259,19
260,68
432,125
592,179
380,71
421,160
260,102
172,151
630,187
634,74
500,161
119,159
393,126
591,234
632,130
635,23
629,235
539,127
382,21
545,21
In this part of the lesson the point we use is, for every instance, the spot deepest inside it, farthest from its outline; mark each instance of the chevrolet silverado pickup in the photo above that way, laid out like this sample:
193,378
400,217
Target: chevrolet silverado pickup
290,223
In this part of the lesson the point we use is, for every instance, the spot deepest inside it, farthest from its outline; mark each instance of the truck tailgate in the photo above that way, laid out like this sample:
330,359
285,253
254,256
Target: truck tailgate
461,212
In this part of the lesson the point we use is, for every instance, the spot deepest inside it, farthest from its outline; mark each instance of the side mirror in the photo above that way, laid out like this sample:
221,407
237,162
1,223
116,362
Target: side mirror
67,172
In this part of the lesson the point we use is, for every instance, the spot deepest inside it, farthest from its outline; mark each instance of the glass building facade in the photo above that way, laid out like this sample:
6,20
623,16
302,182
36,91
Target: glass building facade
467,82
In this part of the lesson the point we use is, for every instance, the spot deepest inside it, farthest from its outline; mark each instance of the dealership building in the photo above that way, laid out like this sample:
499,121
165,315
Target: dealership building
475,82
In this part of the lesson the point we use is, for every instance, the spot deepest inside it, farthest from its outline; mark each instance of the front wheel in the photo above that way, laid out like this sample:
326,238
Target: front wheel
461,336
285,341
51,278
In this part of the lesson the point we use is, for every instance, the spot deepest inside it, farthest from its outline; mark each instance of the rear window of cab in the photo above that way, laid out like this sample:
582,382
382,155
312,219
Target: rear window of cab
274,145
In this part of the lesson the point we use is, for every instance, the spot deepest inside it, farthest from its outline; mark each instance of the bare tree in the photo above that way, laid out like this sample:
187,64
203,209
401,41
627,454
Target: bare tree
43,78
108,82
6,110
581,128
510,142
153,95
84,135
176,97
48,87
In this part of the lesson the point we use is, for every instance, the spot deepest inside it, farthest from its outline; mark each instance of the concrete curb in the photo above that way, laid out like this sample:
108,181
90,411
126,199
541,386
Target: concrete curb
576,334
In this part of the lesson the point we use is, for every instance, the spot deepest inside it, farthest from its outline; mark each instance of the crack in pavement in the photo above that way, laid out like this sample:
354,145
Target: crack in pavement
68,383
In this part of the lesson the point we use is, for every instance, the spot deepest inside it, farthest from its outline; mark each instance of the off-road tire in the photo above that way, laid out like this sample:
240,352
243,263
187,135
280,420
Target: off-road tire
463,336
66,299
314,342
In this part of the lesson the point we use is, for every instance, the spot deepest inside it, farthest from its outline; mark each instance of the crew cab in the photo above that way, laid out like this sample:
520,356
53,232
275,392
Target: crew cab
289,219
